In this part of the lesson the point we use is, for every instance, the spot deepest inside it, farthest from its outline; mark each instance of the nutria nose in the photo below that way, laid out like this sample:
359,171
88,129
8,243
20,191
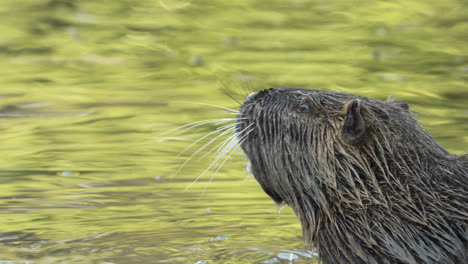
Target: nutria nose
250,97
254,96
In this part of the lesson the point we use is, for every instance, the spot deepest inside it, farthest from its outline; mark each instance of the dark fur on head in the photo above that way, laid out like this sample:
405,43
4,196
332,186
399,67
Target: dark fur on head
368,184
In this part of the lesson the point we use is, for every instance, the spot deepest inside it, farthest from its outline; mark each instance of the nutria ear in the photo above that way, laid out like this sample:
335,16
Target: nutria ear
354,125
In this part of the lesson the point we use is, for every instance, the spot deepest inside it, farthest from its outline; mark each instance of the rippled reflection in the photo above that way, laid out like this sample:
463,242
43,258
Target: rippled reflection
88,88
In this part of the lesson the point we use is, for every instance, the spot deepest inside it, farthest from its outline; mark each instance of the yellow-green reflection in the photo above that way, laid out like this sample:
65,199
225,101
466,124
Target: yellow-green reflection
87,86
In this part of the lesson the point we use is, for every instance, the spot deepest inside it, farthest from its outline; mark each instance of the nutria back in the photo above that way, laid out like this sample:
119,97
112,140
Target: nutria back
368,184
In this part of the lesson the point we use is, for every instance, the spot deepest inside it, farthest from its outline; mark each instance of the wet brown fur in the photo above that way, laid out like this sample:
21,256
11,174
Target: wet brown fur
369,186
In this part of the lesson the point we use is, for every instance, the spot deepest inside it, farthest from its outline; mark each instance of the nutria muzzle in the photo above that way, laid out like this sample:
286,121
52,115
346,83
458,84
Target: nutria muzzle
368,184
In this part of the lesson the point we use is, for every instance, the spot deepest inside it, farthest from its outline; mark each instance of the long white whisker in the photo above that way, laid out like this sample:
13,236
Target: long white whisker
234,143
215,147
223,120
195,123
229,143
234,148
244,137
218,157
215,161
203,147
198,140
219,146
217,106
235,135
224,133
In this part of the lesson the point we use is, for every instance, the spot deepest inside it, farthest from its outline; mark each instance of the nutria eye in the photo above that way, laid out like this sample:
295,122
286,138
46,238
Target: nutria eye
303,108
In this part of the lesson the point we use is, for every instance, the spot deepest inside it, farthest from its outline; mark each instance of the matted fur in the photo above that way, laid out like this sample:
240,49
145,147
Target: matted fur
394,196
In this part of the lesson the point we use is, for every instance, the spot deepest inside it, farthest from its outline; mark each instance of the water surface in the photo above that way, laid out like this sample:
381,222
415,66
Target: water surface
87,87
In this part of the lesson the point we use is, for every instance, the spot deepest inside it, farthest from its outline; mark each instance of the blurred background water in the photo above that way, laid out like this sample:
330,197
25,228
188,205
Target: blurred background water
87,86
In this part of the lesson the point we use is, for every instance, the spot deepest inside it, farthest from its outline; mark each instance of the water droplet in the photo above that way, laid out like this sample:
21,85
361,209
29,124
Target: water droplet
287,256
67,173
220,238
280,206
270,261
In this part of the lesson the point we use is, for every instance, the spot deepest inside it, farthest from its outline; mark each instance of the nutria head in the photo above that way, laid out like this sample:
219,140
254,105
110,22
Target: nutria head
349,163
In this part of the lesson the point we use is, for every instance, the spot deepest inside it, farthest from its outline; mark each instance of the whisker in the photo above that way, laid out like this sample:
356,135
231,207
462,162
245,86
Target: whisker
234,147
221,120
231,95
203,147
215,147
235,135
217,106
229,143
197,122
217,121
244,137
218,145
229,146
247,177
198,140
215,161
223,143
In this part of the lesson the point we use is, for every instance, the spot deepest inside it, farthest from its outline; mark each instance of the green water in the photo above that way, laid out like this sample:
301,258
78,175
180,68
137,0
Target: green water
87,86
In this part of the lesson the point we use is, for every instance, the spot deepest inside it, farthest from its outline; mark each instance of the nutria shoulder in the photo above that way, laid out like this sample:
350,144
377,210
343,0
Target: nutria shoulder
367,183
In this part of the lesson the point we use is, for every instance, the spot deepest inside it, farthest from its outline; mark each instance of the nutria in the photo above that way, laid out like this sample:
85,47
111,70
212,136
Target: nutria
367,183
